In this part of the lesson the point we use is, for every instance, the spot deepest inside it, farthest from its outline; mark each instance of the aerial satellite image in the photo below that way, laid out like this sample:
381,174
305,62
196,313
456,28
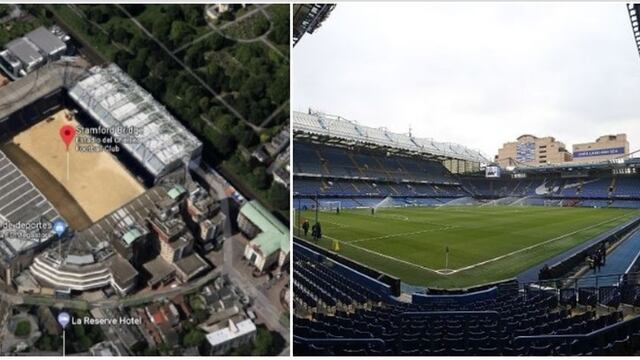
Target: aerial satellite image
144,179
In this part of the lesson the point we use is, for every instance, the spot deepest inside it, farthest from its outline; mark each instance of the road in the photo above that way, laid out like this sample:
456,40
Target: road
267,311
18,299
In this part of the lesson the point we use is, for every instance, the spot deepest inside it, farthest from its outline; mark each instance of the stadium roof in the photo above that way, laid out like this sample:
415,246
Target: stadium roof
21,202
116,101
634,9
337,127
309,17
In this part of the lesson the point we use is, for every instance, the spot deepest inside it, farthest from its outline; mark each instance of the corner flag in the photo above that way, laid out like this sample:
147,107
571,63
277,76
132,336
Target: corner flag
446,257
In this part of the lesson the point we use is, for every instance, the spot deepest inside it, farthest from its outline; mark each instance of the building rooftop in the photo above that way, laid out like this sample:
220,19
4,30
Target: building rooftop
132,235
121,270
273,236
25,51
231,332
46,41
176,191
159,269
191,265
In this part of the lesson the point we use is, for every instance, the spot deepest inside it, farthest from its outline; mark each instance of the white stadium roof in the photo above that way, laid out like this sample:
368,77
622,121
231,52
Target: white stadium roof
337,127
21,202
115,100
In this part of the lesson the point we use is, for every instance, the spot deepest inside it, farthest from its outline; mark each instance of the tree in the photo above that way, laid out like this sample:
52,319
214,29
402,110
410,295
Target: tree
194,57
194,14
180,32
155,86
263,342
138,42
244,134
278,90
194,338
260,177
137,69
23,328
280,21
161,27
161,70
134,9
215,42
222,143
122,58
279,196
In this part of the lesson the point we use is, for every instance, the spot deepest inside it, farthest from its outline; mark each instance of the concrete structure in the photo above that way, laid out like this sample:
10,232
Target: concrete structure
531,150
93,258
307,18
606,147
105,348
145,129
270,238
36,96
83,273
214,11
234,335
26,54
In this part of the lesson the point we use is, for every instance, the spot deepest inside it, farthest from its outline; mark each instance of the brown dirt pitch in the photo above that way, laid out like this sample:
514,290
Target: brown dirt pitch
97,181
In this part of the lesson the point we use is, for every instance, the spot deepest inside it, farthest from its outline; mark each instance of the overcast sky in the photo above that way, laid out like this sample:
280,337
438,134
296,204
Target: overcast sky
475,74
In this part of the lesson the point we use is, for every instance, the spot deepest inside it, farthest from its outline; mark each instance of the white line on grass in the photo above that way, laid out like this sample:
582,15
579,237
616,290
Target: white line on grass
533,246
394,217
402,234
338,225
381,255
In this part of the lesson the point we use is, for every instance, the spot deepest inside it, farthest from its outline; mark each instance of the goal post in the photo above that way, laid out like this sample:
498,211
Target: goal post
330,206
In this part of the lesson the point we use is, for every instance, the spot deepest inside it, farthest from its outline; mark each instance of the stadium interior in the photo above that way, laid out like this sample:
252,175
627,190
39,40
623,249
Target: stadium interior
344,306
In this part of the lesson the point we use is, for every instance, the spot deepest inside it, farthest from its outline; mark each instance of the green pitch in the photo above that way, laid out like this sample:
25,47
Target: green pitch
485,244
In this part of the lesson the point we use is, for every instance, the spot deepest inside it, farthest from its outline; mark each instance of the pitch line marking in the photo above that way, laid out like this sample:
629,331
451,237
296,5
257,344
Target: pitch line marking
335,223
447,272
381,255
395,217
533,246
401,234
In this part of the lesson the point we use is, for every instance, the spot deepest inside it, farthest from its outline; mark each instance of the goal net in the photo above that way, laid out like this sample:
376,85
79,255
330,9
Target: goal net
329,206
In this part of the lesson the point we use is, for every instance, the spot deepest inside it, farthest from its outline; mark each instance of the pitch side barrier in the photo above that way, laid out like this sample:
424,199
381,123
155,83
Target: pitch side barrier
382,284
454,299
571,261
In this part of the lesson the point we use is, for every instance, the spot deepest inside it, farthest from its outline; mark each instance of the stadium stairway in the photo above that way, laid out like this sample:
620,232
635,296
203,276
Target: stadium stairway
531,275
619,261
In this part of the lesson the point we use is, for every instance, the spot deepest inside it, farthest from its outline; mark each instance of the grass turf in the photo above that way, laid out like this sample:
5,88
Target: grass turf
410,243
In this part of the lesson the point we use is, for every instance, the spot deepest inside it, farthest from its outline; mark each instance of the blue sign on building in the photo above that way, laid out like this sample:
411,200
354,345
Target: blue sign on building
598,152
525,152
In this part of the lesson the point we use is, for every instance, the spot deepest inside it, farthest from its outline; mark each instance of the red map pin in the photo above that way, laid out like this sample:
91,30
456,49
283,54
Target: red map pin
67,133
